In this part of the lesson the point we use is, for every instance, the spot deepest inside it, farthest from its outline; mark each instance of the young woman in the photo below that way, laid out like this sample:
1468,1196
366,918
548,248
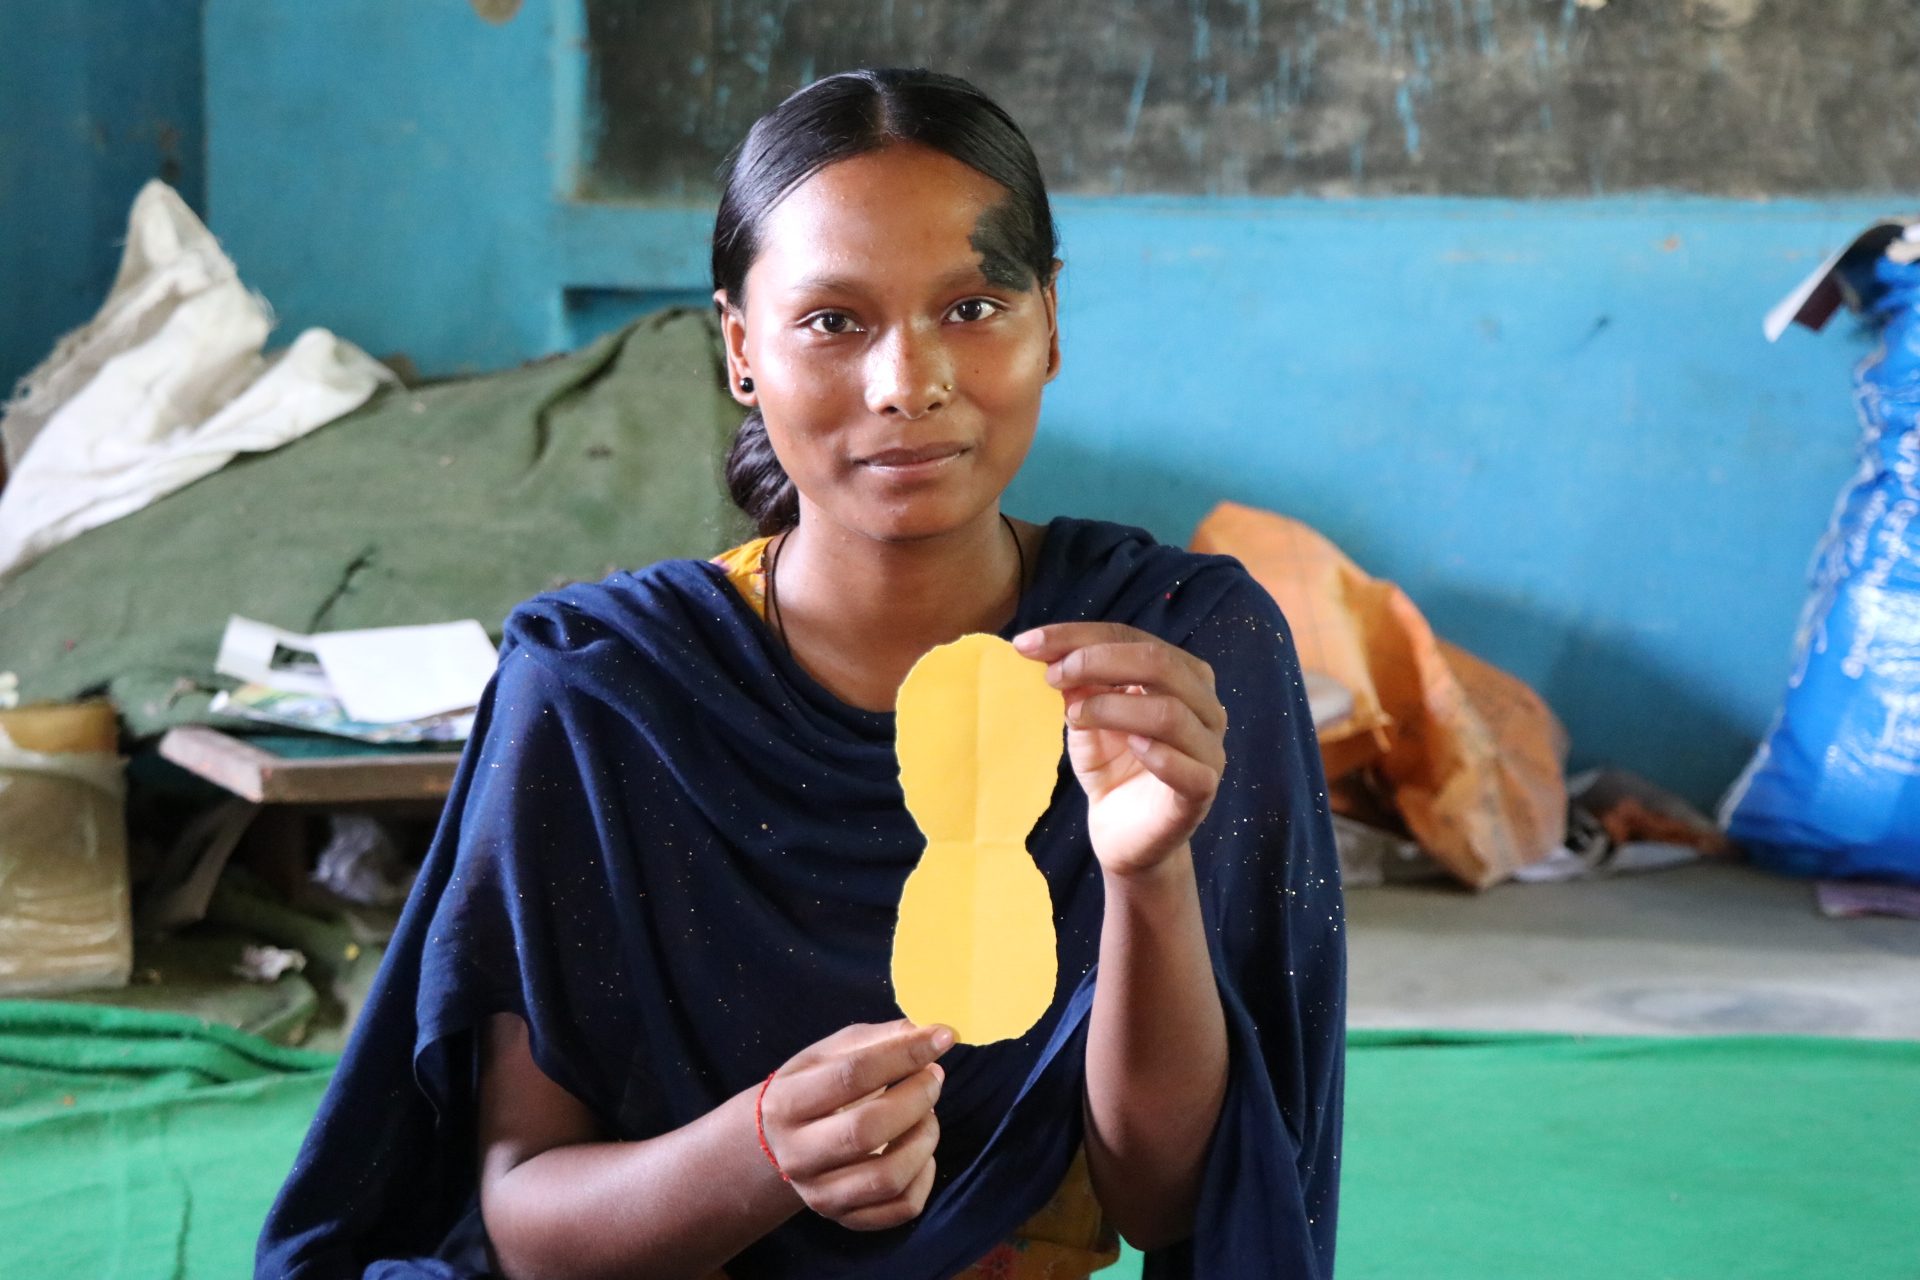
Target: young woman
637,1019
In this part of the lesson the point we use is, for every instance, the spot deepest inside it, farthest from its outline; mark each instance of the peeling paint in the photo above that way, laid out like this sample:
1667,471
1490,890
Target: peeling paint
1410,123
497,12
1137,99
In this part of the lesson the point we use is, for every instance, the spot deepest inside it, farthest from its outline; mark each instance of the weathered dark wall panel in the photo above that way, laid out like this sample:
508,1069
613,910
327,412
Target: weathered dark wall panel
1470,97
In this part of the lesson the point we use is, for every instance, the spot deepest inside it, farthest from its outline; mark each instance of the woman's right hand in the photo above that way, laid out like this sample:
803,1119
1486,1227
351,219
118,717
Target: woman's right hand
851,1121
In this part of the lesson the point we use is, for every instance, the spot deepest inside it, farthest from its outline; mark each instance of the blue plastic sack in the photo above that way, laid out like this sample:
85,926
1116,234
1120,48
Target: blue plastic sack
1835,788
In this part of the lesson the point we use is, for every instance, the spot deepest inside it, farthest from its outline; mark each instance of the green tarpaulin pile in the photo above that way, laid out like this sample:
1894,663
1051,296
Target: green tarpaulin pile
456,500
150,1145
141,1144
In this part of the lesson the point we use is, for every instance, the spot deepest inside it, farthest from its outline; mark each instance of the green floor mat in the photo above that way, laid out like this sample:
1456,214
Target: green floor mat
140,1144
1522,1157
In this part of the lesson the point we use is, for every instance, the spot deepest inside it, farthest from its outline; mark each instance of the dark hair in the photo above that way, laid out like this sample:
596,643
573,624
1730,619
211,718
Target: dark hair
847,115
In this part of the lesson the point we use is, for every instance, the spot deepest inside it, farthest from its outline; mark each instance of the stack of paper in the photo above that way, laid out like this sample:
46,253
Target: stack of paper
386,684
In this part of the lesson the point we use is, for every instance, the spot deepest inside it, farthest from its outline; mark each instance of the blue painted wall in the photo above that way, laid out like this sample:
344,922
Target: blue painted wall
95,99
1555,423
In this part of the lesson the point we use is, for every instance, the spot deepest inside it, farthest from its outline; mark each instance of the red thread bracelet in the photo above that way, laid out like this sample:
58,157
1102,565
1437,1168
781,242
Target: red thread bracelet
760,1127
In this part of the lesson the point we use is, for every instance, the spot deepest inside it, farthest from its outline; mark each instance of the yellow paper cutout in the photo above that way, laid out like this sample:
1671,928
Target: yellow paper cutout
978,734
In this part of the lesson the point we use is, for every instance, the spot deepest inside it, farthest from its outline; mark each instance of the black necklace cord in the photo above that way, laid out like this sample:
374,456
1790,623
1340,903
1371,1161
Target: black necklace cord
773,591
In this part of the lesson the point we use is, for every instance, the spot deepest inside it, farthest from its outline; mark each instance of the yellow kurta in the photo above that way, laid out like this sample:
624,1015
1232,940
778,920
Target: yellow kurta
1068,1239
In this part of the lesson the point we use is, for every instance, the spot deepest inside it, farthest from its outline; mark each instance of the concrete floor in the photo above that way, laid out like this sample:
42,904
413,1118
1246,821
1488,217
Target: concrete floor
1707,949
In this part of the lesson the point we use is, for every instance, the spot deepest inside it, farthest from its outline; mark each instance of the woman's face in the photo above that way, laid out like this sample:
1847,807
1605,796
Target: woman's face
897,350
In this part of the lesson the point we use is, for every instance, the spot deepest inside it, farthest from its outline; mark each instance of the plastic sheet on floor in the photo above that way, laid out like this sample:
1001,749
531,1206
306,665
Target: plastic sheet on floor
1469,756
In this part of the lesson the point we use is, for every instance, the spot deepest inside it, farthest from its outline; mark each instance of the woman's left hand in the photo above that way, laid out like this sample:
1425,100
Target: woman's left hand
1145,732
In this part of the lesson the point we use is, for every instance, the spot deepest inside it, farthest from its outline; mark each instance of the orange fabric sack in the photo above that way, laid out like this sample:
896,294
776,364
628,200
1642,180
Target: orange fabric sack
1471,757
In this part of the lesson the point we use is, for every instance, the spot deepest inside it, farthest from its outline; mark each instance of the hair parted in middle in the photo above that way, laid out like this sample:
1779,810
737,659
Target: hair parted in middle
850,114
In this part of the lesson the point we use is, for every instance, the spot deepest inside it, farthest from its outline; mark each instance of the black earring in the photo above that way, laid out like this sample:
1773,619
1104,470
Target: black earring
746,386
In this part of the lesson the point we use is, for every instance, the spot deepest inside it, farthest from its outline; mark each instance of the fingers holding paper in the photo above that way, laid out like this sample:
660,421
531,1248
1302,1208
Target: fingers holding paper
850,1121
1146,733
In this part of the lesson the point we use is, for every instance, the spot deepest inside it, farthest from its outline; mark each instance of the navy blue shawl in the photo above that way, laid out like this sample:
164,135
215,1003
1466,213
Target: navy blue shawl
678,858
